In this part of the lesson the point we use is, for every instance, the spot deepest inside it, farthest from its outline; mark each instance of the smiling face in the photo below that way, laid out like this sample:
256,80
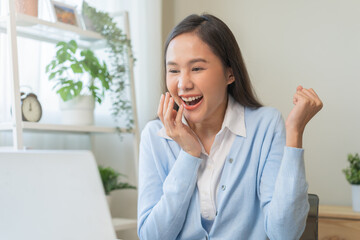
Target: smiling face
196,78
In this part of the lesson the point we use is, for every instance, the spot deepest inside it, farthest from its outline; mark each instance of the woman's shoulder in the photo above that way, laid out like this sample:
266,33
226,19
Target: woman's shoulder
152,127
269,113
263,119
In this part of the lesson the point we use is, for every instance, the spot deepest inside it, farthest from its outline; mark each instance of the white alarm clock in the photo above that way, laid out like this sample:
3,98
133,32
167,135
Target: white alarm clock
30,108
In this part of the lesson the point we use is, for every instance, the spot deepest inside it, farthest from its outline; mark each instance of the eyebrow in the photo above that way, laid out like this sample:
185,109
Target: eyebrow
195,60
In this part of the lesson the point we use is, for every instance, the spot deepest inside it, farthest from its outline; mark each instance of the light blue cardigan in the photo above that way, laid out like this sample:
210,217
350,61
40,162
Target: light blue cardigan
262,191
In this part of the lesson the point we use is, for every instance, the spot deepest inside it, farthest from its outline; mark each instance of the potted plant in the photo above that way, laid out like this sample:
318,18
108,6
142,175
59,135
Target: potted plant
109,178
80,79
352,174
119,55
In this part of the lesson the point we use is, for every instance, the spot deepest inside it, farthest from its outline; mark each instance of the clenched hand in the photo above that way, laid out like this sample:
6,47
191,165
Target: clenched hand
307,105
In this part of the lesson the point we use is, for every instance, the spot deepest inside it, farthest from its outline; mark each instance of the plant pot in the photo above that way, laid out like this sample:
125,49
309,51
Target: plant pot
78,111
28,7
356,197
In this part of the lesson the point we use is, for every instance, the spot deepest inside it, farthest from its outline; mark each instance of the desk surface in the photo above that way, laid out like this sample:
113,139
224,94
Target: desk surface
123,223
342,212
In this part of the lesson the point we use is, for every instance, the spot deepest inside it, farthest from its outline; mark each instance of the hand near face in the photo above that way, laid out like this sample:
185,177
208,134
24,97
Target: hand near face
175,128
307,104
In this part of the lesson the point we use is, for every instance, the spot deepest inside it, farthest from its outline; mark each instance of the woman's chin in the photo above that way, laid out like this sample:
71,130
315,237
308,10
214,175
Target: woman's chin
192,118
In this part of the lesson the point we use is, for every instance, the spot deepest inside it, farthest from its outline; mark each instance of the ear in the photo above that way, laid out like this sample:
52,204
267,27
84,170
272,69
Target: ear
230,78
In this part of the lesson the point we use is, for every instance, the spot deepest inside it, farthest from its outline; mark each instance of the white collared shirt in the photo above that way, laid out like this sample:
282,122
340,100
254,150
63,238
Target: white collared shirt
209,172
211,167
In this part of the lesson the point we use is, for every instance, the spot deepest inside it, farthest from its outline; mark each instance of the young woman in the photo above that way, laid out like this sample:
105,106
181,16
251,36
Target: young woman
221,166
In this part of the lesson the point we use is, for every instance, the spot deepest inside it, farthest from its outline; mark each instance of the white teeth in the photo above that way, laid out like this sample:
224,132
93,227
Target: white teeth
189,99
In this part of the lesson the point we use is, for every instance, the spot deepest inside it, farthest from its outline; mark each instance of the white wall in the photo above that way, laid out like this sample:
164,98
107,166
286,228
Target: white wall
313,43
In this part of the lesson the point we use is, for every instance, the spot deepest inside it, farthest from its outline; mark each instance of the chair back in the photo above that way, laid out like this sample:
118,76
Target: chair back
311,228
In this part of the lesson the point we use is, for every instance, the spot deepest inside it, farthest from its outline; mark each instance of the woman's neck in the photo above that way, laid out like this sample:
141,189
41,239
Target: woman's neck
211,126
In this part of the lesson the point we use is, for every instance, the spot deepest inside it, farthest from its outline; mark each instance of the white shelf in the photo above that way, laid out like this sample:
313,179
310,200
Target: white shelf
38,29
6,126
123,223
33,126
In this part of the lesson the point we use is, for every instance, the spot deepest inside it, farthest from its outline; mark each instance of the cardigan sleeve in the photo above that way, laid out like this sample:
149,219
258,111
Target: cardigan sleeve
283,188
162,204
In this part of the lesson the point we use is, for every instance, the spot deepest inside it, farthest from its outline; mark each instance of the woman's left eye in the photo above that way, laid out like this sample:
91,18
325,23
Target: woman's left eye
196,69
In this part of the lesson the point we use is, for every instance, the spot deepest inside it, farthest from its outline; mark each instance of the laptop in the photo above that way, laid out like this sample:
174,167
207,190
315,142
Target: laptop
52,195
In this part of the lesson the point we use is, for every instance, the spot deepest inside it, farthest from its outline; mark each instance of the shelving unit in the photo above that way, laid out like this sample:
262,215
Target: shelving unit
31,126
15,25
53,32
38,29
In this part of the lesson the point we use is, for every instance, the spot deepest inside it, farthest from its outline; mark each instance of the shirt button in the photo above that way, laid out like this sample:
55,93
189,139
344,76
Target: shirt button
231,160
223,187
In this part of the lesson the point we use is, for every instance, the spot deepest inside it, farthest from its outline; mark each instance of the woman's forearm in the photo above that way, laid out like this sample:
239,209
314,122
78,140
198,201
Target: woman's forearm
294,138
161,205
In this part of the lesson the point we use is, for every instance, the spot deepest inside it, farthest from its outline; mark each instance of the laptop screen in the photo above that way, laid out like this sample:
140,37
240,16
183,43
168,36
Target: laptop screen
53,195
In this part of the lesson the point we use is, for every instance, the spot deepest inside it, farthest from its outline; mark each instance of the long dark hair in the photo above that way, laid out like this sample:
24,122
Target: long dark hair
217,35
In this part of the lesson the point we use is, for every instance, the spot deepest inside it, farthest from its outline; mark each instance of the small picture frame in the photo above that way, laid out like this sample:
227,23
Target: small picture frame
65,13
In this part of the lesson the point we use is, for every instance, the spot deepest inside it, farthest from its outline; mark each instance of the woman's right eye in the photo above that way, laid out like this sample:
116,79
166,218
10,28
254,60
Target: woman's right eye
173,71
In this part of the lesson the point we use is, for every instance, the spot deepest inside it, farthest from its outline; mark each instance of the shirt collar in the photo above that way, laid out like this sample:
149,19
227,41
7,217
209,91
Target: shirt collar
234,119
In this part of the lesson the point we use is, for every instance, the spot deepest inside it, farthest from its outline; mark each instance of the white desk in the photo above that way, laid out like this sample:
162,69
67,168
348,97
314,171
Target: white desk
123,223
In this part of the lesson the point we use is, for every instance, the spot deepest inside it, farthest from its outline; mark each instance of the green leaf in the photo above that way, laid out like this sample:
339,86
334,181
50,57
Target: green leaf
85,66
52,75
61,44
63,57
73,46
352,173
65,93
78,88
76,68
109,178
47,68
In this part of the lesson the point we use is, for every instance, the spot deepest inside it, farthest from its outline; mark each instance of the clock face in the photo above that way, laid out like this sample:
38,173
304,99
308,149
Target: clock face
31,109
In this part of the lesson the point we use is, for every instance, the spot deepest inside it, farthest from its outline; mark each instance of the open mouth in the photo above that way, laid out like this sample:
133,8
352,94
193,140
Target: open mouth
191,101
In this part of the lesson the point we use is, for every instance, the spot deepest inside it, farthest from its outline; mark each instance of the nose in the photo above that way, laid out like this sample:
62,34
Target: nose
184,82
